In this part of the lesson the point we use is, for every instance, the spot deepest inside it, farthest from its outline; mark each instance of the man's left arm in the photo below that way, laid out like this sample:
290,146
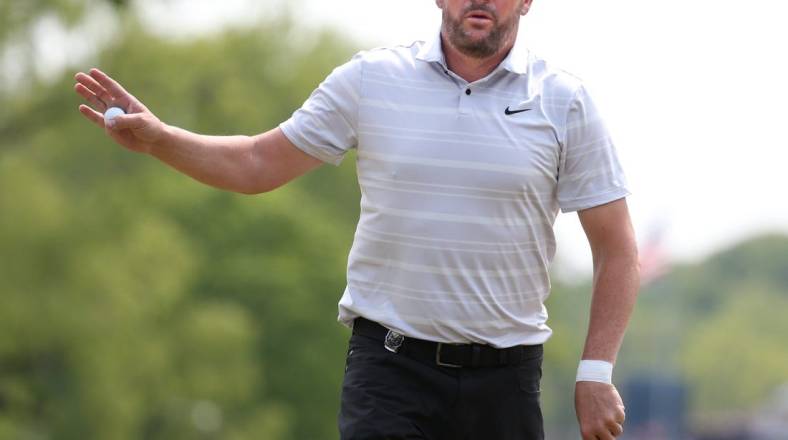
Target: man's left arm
600,410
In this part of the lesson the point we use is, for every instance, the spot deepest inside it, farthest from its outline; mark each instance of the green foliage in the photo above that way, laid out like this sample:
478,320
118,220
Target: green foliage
738,357
98,338
16,16
24,28
761,260
140,304
719,324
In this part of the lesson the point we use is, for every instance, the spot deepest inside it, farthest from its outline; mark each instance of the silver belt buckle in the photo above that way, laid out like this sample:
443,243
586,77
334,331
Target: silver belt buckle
438,358
393,341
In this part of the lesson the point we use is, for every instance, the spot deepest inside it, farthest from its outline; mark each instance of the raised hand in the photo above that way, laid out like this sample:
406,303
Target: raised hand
138,130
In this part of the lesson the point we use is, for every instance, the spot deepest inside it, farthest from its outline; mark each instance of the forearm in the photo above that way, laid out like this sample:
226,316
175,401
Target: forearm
225,162
616,283
244,164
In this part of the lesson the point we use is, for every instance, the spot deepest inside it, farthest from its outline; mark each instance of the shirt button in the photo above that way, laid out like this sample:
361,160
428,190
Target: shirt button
467,91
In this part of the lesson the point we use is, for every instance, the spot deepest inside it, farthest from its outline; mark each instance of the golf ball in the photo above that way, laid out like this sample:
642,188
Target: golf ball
112,113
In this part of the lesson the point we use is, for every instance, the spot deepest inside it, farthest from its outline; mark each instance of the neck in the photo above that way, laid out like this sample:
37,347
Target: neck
469,68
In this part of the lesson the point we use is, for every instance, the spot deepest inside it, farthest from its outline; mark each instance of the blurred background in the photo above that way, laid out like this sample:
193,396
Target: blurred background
136,303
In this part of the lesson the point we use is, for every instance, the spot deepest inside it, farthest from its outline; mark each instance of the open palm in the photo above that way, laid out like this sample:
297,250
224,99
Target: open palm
138,130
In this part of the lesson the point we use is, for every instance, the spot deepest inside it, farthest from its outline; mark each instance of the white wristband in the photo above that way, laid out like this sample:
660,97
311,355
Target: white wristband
595,371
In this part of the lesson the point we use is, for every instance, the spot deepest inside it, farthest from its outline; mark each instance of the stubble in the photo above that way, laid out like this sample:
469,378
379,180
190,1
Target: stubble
479,48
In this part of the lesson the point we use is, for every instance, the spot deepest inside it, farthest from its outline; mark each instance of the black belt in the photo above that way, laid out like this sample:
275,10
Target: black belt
443,354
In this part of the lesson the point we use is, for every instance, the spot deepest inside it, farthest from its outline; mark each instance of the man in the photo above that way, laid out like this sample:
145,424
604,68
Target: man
467,148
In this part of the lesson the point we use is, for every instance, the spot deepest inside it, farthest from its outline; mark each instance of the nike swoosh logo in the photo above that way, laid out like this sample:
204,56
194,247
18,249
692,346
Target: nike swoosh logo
511,112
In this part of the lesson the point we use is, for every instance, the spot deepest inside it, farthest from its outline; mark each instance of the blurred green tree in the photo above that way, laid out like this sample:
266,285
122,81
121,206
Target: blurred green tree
717,323
140,304
738,357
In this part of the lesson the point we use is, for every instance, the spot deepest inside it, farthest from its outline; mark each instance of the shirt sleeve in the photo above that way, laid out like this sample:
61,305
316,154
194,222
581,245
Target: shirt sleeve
326,125
589,172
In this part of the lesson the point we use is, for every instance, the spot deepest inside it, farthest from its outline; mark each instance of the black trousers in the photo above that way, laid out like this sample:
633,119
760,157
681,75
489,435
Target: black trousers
389,396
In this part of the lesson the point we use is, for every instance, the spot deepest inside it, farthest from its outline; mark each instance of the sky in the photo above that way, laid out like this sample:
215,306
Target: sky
693,91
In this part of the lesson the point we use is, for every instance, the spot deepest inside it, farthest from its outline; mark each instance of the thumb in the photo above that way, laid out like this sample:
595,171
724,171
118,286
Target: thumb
129,121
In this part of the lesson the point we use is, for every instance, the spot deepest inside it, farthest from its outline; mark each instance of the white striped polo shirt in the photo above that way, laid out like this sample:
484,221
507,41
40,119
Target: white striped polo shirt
460,185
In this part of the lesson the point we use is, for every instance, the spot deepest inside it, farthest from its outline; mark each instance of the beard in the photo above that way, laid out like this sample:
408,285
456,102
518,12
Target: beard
486,46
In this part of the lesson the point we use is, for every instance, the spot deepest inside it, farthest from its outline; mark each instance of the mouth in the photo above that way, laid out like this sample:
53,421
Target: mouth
479,18
479,15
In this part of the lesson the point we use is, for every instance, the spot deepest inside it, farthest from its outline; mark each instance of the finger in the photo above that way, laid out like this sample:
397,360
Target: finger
94,87
90,97
114,89
615,428
599,433
94,116
130,121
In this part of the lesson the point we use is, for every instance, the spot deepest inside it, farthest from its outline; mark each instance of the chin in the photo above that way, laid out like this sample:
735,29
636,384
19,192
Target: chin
475,36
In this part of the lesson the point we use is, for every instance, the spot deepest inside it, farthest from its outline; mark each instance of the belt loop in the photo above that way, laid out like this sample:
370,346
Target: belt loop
476,355
502,356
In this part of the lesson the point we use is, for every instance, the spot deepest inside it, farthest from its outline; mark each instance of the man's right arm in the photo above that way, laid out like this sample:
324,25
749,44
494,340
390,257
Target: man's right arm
245,164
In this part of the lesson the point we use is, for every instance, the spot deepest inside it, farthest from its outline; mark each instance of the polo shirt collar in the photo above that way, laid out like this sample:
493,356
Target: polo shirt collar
516,60
431,52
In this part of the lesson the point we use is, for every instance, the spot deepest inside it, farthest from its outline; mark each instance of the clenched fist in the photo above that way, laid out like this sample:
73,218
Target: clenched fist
600,410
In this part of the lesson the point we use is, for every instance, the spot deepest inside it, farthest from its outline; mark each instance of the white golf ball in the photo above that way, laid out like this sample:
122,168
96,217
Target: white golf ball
112,113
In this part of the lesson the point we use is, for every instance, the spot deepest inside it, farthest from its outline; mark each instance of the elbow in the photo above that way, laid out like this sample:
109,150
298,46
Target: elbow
627,251
622,258
633,257
636,267
258,187
253,190
248,192
254,182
